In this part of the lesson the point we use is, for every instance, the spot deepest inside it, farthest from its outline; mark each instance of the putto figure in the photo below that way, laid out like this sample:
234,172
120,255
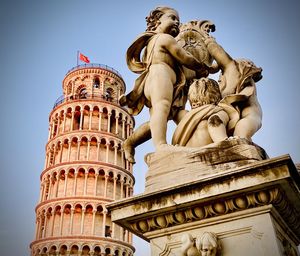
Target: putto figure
161,83
237,86
207,121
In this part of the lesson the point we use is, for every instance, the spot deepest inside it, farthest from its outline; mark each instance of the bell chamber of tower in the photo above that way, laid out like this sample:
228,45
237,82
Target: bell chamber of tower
85,167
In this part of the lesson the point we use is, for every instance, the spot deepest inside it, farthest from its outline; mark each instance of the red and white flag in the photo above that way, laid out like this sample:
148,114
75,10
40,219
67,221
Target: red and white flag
84,58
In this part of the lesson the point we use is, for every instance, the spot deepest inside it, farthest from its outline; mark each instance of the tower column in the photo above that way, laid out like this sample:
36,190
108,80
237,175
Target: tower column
45,225
61,152
81,119
127,190
50,189
54,155
58,125
93,222
72,120
107,151
56,183
95,184
127,130
88,150
122,188
98,150
75,183
123,159
90,119
104,222
115,186
117,124
37,228
85,183
100,121
105,185
64,122
52,128
69,150
71,220
52,224
61,221
123,128
66,182
78,150
82,220
108,121
116,153
41,192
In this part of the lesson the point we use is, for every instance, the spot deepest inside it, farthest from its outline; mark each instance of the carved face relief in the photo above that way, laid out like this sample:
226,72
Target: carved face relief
208,250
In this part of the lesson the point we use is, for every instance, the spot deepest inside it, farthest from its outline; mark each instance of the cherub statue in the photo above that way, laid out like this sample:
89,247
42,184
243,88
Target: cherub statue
207,121
161,83
237,85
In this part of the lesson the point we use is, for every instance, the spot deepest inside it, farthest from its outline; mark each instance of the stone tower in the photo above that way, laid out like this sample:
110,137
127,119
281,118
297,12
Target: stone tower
85,167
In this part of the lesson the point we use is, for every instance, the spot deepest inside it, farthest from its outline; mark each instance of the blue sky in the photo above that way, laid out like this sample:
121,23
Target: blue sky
39,41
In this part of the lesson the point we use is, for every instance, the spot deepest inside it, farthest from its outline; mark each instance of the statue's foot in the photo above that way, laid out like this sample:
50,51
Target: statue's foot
129,151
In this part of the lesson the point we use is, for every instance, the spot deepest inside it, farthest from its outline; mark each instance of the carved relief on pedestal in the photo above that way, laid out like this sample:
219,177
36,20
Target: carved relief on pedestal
205,245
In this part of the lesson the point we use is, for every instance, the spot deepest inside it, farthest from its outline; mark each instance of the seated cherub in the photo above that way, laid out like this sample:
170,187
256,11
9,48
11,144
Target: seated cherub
206,122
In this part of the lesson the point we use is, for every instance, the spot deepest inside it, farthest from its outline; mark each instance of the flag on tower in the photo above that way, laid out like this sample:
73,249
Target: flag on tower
84,58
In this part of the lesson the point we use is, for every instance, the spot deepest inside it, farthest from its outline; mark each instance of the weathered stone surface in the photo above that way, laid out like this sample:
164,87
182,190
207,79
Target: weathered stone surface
179,165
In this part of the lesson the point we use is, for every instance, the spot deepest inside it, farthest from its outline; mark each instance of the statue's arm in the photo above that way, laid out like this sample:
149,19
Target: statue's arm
218,53
181,55
214,68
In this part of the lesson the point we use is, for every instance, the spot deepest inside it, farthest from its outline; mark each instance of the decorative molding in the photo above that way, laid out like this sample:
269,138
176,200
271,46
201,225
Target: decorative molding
274,196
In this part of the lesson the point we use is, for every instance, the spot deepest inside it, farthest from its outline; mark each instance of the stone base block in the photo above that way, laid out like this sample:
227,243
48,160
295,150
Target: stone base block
177,165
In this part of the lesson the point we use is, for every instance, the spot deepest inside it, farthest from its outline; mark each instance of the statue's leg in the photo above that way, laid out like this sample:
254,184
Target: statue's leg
139,136
217,126
159,91
250,121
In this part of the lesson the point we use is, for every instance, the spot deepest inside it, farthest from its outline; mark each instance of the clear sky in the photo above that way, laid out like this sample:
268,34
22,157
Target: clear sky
39,41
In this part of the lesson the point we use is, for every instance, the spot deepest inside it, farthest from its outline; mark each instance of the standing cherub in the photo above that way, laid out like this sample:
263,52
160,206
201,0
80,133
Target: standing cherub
161,84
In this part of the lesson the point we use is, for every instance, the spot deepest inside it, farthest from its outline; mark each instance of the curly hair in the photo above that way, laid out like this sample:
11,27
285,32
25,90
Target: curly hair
154,16
204,91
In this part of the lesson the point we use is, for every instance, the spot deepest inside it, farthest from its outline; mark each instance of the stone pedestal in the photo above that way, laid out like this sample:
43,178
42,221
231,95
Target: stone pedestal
252,208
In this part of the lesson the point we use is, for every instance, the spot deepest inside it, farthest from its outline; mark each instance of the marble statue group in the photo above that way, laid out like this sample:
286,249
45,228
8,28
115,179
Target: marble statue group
211,191
174,62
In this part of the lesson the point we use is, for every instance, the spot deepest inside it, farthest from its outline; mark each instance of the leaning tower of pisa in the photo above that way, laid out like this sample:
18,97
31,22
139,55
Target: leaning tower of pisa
85,167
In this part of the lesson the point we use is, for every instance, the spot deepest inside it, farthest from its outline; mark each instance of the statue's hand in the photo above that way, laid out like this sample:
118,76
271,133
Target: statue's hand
203,72
214,68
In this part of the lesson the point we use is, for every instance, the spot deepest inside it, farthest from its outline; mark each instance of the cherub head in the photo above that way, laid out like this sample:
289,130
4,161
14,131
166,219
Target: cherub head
208,244
204,91
163,19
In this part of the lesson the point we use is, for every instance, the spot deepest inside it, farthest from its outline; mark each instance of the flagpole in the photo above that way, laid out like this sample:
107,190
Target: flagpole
77,57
